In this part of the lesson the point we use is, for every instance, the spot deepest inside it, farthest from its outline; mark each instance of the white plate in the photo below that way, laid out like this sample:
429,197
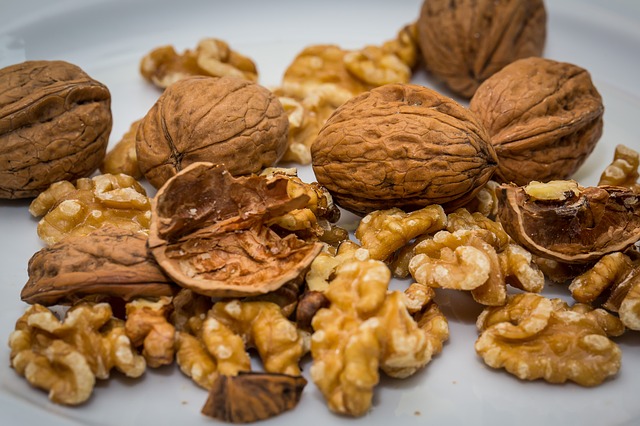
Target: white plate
108,38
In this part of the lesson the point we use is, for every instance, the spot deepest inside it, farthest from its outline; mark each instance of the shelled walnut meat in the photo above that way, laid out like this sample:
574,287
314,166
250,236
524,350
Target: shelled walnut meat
464,42
55,122
544,118
209,233
404,146
226,120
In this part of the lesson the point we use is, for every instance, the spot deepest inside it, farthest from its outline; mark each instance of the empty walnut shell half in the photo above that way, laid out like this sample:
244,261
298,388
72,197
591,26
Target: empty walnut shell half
109,262
567,223
464,42
544,119
250,396
55,123
226,120
404,146
208,232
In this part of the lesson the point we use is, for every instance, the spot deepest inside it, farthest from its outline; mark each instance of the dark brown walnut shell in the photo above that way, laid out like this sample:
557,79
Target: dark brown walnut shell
249,396
108,263
208,232
544,118
464,42
580,226
405,146
228,121
55,123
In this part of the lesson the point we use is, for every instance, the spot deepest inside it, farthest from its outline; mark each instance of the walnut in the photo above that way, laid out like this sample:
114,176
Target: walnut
366,328
324,266
212,57
65,357
211,119
486,201
623,170
544,119
606,273
55,123
465,42
403,146
462,219
533,337
69,210
108,263
624,299
568,223
209,232
250,397
147,326
310,302
377,67
122,158
382,232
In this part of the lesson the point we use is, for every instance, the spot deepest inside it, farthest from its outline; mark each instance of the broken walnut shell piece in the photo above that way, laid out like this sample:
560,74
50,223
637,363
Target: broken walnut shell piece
109,262
568,223
208,232
252,396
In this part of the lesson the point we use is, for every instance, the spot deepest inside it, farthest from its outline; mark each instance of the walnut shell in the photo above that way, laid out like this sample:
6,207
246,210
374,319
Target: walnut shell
55,123
227,121
544,118
464,42
405,146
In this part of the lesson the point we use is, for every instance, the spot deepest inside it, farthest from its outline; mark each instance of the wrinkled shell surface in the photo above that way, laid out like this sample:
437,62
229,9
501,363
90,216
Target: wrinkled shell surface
464,42
581,229
55,123
404,146
109,262
208,232
226,120
544,118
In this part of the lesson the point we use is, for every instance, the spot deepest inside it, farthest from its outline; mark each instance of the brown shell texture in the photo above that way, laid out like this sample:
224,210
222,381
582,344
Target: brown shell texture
251,396
544,118
228,121
582,229
109,262
464,42
208,232
55,123
405,146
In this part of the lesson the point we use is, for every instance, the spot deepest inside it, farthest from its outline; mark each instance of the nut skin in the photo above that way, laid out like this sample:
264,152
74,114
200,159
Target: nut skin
464,42
544,118
55,122
211,119
404,146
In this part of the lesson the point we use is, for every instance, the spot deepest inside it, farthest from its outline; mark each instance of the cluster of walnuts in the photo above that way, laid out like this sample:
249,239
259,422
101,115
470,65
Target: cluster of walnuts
232,254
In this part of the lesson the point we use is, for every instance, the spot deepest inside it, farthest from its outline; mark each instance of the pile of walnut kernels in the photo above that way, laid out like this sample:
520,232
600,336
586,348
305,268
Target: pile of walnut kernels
243,257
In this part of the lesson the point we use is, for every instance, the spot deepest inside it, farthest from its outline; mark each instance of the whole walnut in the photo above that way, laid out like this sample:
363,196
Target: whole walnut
544,118
404,146
464,42
55,123
226,120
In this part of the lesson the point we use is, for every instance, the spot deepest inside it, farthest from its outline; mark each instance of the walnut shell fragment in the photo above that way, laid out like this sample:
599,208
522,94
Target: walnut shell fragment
568,223
544,118
464,42
249,396
208,232
211,119
109,262
55,122
404,146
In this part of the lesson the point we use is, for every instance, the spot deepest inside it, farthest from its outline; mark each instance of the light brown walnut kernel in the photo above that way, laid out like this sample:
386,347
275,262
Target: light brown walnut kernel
211,57
382,232
66,210
486,201
462,219
623,170
607,273
630,308
520,270
122,158
418,296
533,337
324,266
65,357
364,329
376,67
147,326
